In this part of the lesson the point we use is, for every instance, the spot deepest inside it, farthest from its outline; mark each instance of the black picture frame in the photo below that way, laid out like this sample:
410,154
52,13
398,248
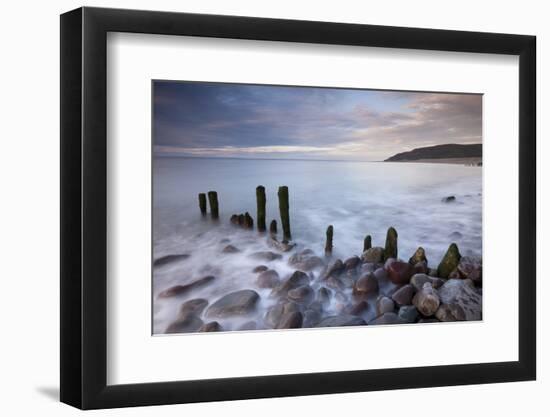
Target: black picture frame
84,207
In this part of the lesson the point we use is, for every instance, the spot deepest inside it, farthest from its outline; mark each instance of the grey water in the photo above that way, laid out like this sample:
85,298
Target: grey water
357,198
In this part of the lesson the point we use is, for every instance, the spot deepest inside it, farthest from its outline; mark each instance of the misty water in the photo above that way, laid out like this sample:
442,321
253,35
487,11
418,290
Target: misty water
357,198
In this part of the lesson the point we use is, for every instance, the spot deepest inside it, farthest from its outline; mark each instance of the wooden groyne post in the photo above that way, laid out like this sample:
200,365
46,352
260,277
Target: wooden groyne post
260,203
202,203
248,221
284,211
367,243
390,250
213,200
328,244
273,228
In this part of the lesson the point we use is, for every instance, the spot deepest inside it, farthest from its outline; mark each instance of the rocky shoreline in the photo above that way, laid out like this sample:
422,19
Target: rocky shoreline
375,287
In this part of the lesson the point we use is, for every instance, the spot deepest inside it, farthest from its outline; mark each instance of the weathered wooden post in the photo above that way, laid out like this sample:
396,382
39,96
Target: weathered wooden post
213,200
202,203
273,228
328,244
390,250
248,221
367,243
449,262
283,209
260,203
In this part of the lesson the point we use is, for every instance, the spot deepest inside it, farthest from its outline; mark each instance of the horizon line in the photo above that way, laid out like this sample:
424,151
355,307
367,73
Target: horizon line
262,159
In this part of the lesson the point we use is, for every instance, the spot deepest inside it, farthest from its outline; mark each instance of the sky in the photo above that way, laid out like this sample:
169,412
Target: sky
195,119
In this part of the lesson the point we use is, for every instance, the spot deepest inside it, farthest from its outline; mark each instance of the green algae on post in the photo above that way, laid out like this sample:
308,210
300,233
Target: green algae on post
449,262
284,211
390,250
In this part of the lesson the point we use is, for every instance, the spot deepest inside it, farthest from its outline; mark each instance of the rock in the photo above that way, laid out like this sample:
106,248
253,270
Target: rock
420,268
455,235
450,312
334,283
352,263
315,306
432,272
291,321
464,302
408,314
341,321
182,289
266,256
366,284
449,199
347,281
455,274
380,274
213,326
294,281
428,320
373,255
476,277
281,246
368,267
334,269
273,315
358,308
403,296
341,302
230,249
400,272
276,312
186,324
164,260
268,279
418,281
387,318
470,267
249,325
388,262
195,306
384,305
390,250
323,295
426,300
449,262
234,304
260,268
305,260
311,318
418,256
301,294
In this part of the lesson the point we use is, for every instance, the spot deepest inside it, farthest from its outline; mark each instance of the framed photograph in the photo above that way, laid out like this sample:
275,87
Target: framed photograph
258,208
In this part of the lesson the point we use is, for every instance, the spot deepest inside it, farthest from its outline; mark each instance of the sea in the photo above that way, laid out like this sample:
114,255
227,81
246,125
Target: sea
356,198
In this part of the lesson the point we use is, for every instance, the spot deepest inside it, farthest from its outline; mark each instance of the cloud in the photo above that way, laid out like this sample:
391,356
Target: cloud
207,119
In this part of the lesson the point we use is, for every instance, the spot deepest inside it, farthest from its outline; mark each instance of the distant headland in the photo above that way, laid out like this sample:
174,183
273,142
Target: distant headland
450,153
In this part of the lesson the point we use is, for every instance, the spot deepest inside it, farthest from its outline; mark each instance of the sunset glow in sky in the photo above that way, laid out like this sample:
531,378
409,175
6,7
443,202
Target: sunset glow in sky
255,121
